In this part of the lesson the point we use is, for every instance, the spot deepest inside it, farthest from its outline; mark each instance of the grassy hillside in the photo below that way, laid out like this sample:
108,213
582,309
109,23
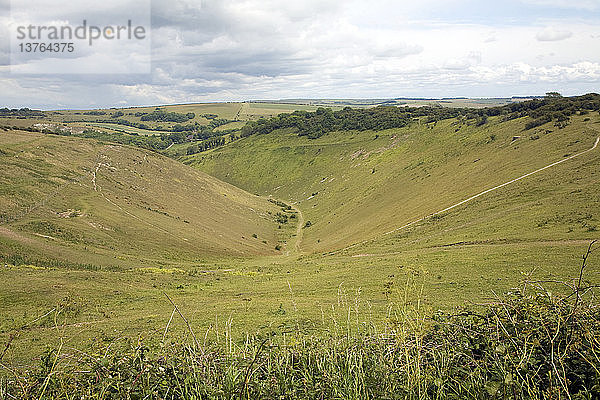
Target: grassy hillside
98,231
354,186
504,351
82,201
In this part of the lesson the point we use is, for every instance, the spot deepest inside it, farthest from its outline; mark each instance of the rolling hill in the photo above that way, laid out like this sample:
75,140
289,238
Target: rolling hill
85,202
353,186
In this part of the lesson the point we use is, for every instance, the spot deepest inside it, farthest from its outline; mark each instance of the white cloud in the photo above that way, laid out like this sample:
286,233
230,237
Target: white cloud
553,35
575,4
242,49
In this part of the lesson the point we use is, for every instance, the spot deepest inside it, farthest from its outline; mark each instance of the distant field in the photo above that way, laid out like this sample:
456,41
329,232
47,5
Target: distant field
123,128
252,111
362,103
467,103
223,110
20,122
231,125
237,113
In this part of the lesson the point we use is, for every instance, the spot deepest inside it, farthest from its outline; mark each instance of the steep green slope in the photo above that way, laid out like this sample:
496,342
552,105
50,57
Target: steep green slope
79,201
353,186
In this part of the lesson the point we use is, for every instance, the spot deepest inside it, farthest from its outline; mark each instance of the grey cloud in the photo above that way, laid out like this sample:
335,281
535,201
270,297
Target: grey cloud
397,51
239,49
183,15
4,44
259,64
107,12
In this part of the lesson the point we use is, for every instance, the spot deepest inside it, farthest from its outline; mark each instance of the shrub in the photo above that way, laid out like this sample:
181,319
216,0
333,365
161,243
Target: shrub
538,122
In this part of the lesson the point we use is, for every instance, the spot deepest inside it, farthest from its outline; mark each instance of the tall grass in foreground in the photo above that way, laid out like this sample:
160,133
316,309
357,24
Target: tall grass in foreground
528,344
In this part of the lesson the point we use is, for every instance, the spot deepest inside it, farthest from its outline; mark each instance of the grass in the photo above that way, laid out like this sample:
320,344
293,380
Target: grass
529,344
123,129
106,205
104,259
258,296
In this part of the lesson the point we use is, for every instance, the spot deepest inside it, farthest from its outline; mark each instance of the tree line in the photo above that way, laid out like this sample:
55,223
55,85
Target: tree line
314,124
164,116
205,145
20,112
323,120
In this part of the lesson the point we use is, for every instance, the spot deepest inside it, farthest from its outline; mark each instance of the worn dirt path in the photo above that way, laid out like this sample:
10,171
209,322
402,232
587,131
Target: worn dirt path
299,231
297,240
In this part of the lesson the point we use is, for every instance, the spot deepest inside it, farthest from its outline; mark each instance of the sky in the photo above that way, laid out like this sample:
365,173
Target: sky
235,50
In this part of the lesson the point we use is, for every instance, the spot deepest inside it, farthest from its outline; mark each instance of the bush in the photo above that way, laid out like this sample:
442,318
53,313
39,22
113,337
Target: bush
537,122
